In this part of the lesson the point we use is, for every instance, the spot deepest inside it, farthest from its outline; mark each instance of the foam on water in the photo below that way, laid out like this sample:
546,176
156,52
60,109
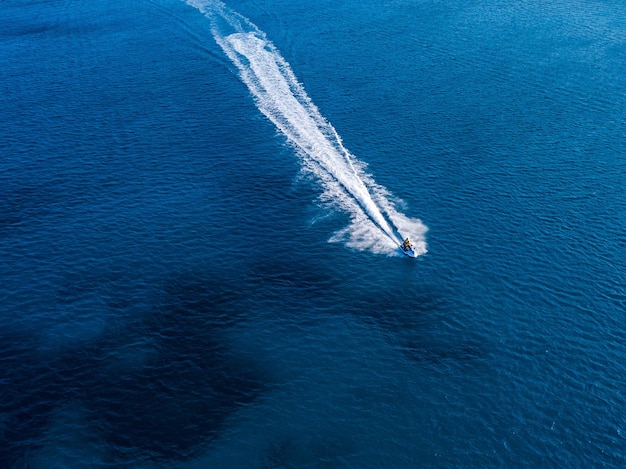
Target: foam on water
375,223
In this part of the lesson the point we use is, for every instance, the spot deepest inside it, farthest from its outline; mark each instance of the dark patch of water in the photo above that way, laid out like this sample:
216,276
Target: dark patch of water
184,382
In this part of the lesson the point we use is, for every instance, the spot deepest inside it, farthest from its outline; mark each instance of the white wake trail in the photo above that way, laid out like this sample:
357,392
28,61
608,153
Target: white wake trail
375,223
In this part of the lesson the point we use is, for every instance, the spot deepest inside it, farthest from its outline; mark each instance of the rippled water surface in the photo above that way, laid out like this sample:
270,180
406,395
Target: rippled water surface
200,205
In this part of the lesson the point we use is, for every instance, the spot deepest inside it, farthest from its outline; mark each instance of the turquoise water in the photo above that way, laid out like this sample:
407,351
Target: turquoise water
199,211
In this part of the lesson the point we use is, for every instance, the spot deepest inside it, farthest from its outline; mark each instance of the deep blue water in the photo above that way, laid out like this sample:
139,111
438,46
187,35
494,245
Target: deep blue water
199,211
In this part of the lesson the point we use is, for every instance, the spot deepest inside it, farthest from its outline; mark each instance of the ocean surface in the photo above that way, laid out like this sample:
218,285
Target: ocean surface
200,210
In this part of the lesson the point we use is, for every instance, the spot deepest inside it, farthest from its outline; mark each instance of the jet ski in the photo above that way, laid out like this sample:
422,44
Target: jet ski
407,248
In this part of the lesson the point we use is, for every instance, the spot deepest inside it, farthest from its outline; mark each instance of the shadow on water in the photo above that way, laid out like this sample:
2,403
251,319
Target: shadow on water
159,390
27,397
435,353
420,323
26,29
19,205
300,278
329,451
183,394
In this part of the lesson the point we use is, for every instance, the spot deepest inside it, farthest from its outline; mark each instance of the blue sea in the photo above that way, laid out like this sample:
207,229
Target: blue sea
201,206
